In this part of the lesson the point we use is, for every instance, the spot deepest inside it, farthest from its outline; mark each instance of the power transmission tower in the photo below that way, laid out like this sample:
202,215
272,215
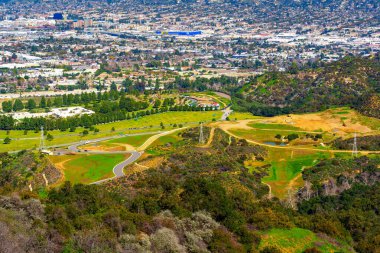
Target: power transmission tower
355,147
201,137
42,140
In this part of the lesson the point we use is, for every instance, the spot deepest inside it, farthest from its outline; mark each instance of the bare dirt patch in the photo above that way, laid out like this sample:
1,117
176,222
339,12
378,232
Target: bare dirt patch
326,121
59,163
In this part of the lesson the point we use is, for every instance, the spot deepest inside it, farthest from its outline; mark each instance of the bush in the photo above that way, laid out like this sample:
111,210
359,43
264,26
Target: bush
165,240
270,249
49,137
292,137
7,140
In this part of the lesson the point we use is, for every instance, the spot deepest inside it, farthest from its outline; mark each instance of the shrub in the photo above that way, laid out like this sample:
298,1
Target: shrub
7,140
292,137
165,240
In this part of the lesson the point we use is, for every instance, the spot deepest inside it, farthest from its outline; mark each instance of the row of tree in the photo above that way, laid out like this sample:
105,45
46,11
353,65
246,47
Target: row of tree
104,116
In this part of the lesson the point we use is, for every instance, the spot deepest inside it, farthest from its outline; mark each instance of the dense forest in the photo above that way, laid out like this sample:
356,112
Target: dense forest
352,81
196,200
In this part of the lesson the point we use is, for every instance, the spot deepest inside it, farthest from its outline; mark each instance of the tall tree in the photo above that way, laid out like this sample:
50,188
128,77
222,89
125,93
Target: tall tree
31,104
18,105
43,102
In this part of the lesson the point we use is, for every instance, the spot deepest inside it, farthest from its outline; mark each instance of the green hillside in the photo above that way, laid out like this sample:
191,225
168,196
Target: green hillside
352,81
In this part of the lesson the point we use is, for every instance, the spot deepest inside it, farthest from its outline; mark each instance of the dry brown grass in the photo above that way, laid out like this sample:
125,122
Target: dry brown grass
145,164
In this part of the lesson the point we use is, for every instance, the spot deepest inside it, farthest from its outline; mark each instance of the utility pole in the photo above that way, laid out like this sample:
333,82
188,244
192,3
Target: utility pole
201,137
355,147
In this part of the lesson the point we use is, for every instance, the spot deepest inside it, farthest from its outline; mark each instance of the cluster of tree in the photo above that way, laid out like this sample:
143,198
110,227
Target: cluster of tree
107,112
62,100
17,105
202,84
344,194
351,81
194,201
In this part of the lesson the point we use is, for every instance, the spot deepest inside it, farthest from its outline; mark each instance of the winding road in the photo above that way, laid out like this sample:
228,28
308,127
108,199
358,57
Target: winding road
118,170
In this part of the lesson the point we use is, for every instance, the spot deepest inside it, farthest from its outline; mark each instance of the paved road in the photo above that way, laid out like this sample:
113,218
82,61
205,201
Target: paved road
74,147
118,170
226,112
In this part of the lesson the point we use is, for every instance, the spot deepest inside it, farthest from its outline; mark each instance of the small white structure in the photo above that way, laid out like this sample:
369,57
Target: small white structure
55,112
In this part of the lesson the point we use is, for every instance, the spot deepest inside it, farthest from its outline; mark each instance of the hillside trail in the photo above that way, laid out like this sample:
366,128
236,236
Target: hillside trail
292,182
270,190
210,138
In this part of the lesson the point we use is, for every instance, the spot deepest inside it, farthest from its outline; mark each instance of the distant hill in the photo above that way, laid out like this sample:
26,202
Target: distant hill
352,81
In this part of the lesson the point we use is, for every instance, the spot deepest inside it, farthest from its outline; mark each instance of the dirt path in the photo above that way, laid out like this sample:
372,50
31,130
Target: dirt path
60,166
227,128
294,180
227,125
153,138
127,147
142,166
270,190
210,138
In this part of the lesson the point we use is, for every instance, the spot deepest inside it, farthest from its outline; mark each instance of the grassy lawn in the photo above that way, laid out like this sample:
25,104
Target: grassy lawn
296,240
158,148
87,168
144,124
243,115
135,140
268,135
273,126
286,166
372,123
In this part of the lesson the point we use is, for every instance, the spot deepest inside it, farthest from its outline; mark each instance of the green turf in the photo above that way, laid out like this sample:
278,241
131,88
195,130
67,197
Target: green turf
267,135
243,115
273,126
286,165
297,240
171,138
342,112
158,147
135,140
90,168
148,123
291,166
